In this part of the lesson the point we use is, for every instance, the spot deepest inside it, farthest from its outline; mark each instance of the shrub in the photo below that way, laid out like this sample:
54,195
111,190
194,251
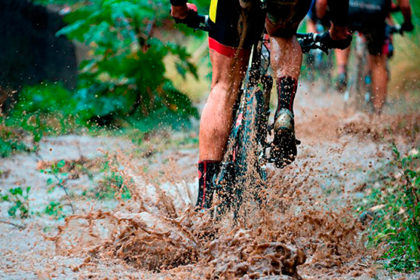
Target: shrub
125,75
19,202
396,222
10,141
43,109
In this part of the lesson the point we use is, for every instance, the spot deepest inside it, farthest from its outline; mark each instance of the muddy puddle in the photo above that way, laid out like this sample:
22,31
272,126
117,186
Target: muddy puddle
158,230
305,228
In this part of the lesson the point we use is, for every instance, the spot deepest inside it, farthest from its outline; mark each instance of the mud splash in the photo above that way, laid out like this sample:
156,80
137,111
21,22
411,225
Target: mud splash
158,230
157,235
382,127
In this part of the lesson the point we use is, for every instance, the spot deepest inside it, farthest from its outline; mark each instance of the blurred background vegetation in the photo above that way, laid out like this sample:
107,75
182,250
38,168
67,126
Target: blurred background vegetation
405,65
125,66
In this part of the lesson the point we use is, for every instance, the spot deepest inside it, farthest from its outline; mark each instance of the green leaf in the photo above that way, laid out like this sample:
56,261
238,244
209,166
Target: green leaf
73,31
16,191
417,181
61,164
12,211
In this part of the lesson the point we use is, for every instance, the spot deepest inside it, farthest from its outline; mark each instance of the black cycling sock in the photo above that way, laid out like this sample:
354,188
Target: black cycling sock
207,170
286,91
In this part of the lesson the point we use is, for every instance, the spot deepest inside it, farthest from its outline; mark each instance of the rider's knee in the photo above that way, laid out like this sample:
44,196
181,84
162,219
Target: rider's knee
219,86
224,88
221,91
379,60
279,31
283,18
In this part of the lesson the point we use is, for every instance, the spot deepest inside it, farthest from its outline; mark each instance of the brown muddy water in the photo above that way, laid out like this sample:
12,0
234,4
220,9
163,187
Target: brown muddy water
306,228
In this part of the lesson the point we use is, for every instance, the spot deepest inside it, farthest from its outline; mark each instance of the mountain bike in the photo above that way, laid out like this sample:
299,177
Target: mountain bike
359,90
249,146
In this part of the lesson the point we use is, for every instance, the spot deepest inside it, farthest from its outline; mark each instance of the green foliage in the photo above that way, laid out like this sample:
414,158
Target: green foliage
57,2
43,109
396,222
112,185
405,77
10,142
19,200
122,81
125,75
57,178
54,209
44,99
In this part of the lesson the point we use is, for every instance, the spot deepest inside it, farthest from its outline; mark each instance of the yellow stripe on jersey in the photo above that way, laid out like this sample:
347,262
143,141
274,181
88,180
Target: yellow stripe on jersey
213,10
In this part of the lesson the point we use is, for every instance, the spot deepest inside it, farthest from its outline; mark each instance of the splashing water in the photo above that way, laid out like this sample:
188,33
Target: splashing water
158,229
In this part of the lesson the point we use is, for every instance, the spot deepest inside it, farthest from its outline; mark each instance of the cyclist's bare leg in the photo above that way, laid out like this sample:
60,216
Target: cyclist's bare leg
283,18
342,58
311,26
286,57
216,118
379,74
286,61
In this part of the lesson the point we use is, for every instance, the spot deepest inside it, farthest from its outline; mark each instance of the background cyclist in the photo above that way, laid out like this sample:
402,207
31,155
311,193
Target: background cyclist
317,14
369,18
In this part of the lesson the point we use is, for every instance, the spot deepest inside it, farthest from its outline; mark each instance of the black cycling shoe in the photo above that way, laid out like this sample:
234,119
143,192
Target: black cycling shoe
283,147
341,82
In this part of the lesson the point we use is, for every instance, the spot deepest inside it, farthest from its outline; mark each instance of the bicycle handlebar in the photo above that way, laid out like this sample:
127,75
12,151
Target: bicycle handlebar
196,21
392,29
307,41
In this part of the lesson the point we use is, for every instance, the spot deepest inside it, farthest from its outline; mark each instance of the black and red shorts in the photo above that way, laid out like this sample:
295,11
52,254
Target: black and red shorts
368,17
376,39
229,20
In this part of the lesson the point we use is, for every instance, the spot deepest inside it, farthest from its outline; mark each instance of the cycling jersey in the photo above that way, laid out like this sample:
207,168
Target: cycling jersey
369,18
368,12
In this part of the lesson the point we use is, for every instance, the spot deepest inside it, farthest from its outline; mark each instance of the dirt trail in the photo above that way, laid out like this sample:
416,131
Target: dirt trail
155,235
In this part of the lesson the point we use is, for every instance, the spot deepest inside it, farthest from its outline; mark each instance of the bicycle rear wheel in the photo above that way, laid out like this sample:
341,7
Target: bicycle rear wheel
242,175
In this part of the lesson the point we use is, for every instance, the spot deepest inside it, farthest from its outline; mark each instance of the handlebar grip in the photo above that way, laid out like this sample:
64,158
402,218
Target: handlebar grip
322,41
310,41
194,20
392,29
326,40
